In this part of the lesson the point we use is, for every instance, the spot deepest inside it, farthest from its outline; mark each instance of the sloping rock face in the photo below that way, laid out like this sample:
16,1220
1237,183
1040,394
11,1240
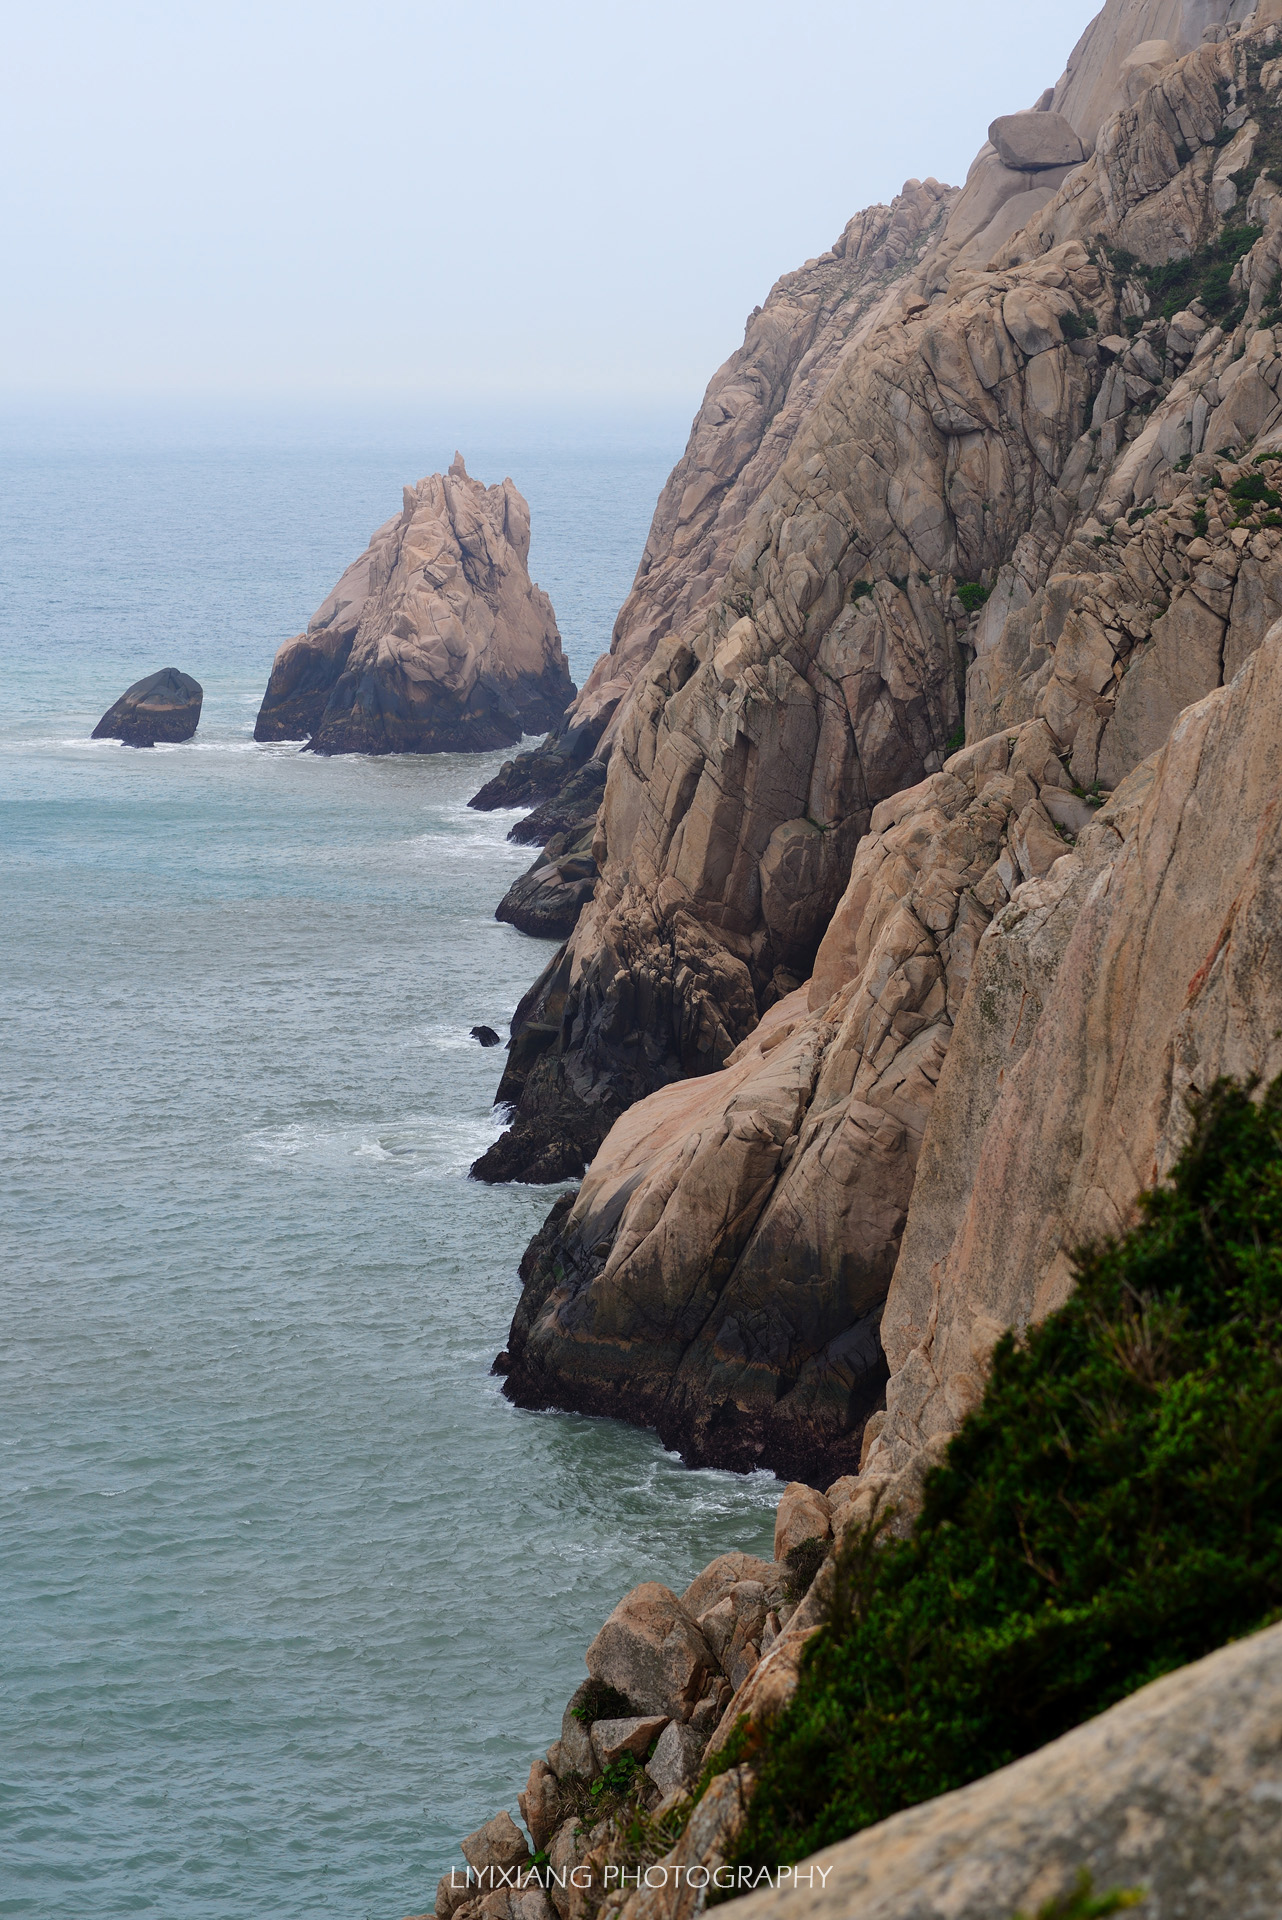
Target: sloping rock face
1165,977
1174,1791
723,1270
750,415
163,707
434,641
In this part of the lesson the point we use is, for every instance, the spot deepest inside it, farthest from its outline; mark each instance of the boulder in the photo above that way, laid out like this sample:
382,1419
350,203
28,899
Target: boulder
435,641
540,1803
611,1739
163,707
1175,1791
485,1036
497,1845
726,1571
675,1761
733,1628
1027,142
804,1514
652,1651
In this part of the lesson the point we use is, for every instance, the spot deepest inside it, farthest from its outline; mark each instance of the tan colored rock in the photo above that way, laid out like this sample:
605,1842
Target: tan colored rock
1027,142
803,1514
540,1803
745,427
744,1223
733,1628
1174,1791
1152,970
436,640
726,1571
611,1739
674,1764
499,1844
777,788
651,1650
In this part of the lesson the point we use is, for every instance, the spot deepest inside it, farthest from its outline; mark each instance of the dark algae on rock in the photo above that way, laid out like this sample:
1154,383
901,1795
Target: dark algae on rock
1111,1511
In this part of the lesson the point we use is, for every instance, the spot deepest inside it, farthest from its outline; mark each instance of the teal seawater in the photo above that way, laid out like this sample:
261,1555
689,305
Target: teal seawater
289,1595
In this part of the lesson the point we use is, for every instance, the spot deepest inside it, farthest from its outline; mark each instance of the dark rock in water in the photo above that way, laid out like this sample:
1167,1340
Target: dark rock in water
541,773
557,1133
486,1036
570,810
165,706
550,895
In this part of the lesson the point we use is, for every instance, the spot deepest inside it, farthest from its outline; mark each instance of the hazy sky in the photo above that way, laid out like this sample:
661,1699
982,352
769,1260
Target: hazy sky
493,198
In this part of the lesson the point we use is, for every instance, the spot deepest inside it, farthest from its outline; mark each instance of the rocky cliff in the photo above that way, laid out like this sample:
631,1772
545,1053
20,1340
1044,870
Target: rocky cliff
434,641
939,861
1044,484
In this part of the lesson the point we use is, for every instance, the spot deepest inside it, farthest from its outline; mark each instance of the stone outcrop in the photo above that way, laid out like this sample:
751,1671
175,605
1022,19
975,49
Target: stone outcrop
723,1270
434,641
750,414
164,707
1142,966
1174,1792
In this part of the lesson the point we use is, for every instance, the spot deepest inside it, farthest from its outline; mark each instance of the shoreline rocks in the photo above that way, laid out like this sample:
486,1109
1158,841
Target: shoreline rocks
434,641
162,708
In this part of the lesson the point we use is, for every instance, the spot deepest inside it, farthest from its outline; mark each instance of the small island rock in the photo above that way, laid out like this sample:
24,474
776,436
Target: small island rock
435,641
165,706
486,1036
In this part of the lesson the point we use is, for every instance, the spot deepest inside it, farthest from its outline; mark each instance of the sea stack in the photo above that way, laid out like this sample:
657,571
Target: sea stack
435,641
165,706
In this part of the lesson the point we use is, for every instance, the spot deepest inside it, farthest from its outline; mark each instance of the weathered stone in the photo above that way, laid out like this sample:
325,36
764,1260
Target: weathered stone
163,708
540,1804
726,1571
434,641
652,1651
485,1036
743,1226
675,1761
1174,1791
1027,142
803,1514
497,1845
1142,965
611,1739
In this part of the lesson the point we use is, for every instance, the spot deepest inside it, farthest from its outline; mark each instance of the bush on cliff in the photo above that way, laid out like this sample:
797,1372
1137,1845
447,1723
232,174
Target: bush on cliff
1112,1510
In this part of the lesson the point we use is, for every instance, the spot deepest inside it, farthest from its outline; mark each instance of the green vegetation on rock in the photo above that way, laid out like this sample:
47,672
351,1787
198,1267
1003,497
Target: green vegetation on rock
1111,1511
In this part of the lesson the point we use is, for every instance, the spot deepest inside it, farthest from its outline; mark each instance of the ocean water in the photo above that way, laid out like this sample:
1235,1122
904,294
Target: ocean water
289,1595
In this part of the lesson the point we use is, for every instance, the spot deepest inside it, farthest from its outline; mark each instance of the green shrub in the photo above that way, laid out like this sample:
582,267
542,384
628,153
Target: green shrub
1252,489
1201,525
1078,326
1203,276
972,595
1112,1510
860,590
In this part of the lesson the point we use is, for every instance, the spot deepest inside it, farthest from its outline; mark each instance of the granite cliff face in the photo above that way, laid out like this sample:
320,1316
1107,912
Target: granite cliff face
804,885
434,641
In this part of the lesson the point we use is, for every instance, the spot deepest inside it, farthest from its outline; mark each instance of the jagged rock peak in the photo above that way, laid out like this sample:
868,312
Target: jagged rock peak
434,641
